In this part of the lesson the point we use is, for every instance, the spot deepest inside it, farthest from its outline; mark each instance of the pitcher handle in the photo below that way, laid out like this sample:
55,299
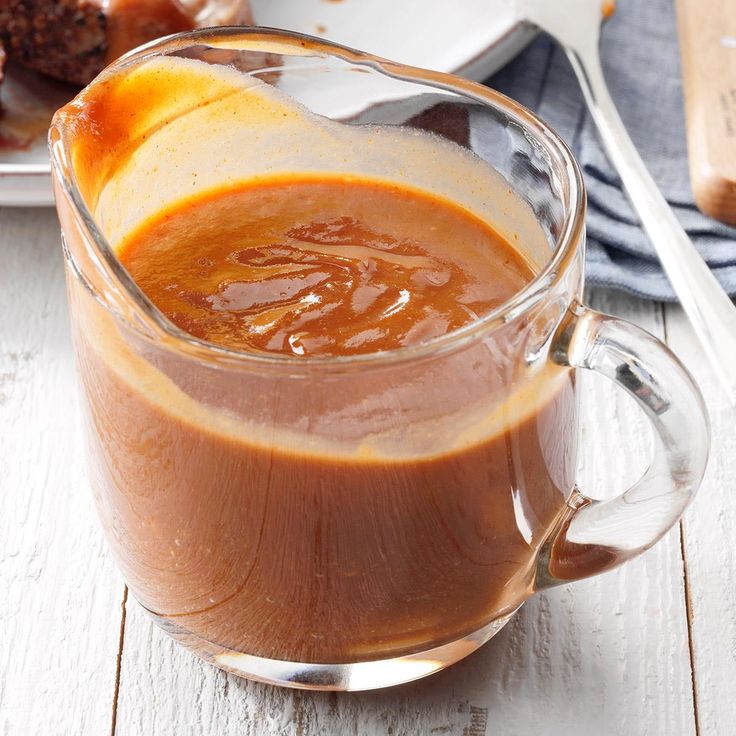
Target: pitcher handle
595,536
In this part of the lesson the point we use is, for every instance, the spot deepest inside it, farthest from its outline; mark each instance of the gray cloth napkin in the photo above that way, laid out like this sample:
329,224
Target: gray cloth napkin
642,65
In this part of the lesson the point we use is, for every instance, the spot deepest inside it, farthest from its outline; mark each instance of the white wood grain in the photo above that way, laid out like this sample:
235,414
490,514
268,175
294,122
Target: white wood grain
709,543
60,598
604,656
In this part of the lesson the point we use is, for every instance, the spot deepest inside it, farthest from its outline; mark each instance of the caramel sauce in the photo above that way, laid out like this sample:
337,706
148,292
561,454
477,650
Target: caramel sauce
321,267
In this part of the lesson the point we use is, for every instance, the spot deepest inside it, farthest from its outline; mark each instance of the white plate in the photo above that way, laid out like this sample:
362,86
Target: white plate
473,38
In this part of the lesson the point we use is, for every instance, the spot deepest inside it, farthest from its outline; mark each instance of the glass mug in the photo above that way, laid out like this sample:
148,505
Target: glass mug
346,522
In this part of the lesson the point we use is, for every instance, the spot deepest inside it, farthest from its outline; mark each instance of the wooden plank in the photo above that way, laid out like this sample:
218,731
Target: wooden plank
60,597
709,534
708,74
607,655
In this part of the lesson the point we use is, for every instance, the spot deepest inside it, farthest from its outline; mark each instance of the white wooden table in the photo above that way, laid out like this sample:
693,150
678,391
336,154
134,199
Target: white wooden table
649,648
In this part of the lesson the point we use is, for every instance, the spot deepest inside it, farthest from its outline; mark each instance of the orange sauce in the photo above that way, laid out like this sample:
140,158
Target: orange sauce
321,266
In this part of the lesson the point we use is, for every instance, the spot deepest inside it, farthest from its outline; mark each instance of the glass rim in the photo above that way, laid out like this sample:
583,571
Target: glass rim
520,302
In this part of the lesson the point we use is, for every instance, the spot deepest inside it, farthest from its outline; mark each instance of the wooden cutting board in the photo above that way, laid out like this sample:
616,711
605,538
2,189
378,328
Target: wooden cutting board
707,30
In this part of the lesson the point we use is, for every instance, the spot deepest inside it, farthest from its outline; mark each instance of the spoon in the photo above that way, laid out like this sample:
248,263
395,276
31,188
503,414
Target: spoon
575,25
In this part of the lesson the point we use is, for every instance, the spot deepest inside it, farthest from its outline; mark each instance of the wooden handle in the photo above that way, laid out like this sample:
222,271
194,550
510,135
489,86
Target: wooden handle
707,30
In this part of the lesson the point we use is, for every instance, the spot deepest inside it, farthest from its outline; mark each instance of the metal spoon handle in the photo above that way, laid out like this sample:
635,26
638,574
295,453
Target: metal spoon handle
710,310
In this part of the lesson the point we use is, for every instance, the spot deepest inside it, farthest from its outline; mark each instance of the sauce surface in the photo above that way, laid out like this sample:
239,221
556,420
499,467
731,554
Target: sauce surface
328,266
